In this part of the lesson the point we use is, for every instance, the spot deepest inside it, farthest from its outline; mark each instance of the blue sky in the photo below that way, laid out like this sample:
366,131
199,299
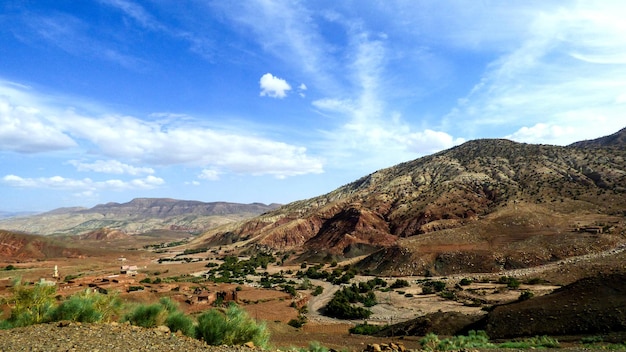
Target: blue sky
276,101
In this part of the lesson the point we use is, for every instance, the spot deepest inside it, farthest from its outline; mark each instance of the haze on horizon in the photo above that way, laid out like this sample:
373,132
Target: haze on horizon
276,101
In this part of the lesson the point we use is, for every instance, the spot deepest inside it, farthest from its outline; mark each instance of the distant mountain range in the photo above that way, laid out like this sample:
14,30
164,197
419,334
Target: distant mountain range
482,206
137,216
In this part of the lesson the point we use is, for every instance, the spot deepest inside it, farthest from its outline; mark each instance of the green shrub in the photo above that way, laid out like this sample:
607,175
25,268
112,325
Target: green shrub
465,282
233,327
473,340
535,281
290,290
297,322
433,286
430,342
510,282
317,291
532,342
591,339
400,283
10,267
32,304
315,346
525,295
88,306
178,321
147,316
366,329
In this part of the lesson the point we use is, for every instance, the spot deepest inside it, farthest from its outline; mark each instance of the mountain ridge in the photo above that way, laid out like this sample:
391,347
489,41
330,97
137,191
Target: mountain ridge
448,193
136,216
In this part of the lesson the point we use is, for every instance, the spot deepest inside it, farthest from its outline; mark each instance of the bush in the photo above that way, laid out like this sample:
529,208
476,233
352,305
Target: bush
147,316
533,342
10,267
88,307
318,291
31,304
366,329
233,327
297,322
400,283
473,340
525,295
465,282
433,286
178,321
510,282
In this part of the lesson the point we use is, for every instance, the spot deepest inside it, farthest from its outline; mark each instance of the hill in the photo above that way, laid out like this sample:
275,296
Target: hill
138,216
19,246
617,139
483,206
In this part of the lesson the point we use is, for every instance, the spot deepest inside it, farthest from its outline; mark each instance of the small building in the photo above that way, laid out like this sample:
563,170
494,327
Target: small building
129,270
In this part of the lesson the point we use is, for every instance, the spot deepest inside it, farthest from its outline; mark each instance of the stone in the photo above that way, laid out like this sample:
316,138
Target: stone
163,329
249,344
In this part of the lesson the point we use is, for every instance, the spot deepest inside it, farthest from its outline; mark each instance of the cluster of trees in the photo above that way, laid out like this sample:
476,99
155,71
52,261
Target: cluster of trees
235,270
338,276
345,302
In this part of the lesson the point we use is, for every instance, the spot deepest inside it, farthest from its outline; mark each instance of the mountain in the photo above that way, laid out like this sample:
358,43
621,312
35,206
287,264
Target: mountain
137,216
482,206
617,139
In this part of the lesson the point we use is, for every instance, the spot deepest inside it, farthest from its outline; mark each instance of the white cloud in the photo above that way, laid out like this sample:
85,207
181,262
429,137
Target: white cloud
23,129
301,89
211,175
85,184
110,167
541,133
273,87
46,123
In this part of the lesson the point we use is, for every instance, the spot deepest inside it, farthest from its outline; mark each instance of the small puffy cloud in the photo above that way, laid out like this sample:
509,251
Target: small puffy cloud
273,86
211,175
110,167
301,89
82,185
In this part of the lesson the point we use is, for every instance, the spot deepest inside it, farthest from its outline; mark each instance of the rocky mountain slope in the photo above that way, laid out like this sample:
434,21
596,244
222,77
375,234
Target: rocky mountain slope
137,216
481,206
18,246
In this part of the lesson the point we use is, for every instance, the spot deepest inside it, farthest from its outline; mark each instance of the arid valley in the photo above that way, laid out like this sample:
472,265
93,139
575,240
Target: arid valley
511,239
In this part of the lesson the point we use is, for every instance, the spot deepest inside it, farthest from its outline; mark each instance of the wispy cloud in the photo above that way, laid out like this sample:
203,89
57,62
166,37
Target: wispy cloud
86,184
71,34
559,83
198,43
110,167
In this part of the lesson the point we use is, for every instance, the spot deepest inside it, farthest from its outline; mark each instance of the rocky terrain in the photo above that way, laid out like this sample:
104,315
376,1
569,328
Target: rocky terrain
101,337
483,206
137,216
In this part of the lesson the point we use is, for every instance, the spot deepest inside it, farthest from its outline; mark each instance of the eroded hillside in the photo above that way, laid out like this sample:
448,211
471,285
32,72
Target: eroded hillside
484,205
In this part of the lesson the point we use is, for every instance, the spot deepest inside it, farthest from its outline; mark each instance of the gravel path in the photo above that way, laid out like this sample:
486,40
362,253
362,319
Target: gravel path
67,336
